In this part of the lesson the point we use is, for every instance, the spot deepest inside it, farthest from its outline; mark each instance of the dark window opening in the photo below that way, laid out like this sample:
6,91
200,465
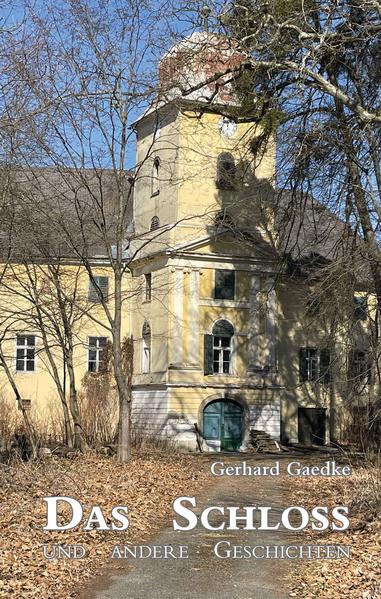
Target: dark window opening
360,311
148,289
224,287
98,290
155,181
358,366
223,220
313,307
226,171
155,223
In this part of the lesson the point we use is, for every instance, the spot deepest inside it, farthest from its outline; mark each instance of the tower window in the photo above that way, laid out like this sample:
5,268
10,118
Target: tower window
146,347
226,171
155,223
155,180
148,290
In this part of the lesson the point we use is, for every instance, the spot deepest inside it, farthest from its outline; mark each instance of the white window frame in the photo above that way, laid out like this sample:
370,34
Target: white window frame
97,348
309,360
146,355
25,347
220,349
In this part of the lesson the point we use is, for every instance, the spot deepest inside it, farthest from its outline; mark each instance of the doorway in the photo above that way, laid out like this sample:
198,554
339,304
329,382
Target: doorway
223,425
311,426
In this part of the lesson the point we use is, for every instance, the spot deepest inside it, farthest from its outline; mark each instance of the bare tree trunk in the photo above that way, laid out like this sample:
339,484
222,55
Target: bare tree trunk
27,423
124,425
79,442
374,256
57,380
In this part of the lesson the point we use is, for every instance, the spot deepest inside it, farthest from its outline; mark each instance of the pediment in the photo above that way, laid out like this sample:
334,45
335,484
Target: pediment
227,244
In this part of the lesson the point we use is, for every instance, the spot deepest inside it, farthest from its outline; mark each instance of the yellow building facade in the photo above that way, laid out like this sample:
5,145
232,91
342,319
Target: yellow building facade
224,345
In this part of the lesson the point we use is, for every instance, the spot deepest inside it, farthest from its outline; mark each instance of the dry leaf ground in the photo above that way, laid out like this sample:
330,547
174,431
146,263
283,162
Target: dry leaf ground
147,486
360,576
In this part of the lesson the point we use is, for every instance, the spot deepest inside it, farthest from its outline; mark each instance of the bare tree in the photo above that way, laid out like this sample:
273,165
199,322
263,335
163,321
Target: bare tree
46,298
85,71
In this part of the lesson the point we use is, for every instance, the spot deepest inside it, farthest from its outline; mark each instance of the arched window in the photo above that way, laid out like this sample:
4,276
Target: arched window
155,223
155,180
146,347
222,333
223,220
226,171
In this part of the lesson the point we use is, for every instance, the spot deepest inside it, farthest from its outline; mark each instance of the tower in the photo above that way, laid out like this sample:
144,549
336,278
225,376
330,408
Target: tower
196,163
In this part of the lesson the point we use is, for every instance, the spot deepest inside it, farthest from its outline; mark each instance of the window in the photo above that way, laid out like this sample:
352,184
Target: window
96,353
148,290
358,365
98,290
313,307
25,404
155,181
224,284
155,223
146,348
360,311
222,219
25,353
314,364
226,171
218,349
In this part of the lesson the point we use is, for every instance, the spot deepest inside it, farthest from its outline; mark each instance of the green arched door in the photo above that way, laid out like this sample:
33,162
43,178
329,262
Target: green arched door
223,422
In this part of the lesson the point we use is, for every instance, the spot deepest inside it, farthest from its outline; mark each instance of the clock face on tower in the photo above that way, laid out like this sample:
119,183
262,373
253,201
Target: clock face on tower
227,126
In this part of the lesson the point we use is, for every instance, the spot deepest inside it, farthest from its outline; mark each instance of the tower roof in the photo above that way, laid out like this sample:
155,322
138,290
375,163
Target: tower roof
188,69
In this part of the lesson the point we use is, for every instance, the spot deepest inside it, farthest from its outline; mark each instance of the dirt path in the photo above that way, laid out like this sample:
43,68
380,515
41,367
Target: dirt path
203,574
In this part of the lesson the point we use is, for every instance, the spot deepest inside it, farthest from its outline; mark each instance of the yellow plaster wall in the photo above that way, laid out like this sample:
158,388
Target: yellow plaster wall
39,385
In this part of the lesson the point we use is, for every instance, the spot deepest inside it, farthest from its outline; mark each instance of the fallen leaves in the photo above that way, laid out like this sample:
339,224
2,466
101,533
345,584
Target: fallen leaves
147,485
360,576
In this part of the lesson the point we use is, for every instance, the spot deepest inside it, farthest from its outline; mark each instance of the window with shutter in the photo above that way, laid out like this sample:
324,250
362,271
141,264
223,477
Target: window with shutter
359,366
218,349
98,290
303,365
208,354
325,366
